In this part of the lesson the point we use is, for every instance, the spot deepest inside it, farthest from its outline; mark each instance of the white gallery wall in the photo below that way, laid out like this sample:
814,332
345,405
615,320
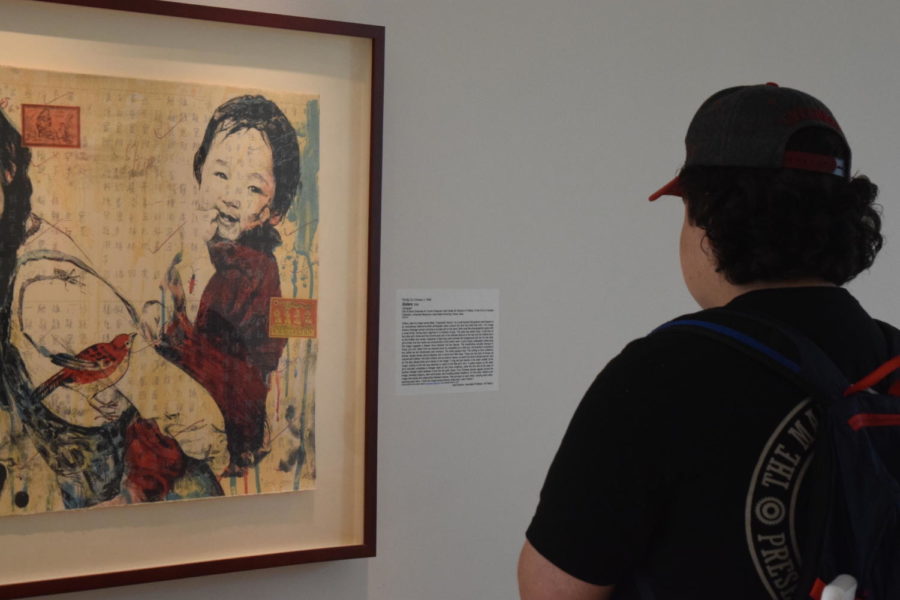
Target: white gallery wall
521,139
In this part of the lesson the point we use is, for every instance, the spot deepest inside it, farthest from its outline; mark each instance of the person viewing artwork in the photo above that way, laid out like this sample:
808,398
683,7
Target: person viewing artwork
683,473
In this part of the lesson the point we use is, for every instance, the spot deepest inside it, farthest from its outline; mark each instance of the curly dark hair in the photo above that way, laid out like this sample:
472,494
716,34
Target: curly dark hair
784,224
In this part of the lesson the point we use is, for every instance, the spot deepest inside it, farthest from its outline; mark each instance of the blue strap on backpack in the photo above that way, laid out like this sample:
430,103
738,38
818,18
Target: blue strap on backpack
854,513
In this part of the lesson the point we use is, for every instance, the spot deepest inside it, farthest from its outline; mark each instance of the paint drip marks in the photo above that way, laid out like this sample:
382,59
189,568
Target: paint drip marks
304,213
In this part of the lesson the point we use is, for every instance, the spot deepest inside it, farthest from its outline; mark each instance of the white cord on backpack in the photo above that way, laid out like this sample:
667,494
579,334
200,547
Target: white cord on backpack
843,587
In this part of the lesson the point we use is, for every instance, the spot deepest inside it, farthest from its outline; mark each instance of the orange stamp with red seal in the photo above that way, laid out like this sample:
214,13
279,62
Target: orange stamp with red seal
292,318
51,125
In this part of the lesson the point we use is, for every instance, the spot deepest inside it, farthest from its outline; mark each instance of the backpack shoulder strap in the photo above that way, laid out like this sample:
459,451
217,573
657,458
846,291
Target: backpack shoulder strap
885,378
774,344
891,336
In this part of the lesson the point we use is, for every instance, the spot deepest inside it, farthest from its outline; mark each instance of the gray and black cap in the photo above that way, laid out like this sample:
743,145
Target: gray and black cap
750,125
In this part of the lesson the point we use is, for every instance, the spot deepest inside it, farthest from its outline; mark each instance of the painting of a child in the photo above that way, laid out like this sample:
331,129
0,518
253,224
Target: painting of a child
248,171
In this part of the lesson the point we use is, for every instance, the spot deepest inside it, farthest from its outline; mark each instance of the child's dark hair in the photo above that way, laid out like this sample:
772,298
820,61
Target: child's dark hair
256,112
783,224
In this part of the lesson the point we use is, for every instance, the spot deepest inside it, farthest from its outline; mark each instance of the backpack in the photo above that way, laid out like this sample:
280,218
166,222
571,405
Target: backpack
853,516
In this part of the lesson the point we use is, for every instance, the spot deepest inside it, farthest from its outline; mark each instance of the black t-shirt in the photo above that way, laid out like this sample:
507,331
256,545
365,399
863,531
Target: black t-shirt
684,460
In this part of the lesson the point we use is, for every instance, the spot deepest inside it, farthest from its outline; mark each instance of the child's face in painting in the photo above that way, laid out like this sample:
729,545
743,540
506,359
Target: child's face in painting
238,183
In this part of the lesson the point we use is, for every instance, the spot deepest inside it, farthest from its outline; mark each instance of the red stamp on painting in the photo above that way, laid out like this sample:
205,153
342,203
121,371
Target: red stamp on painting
51,125
292,317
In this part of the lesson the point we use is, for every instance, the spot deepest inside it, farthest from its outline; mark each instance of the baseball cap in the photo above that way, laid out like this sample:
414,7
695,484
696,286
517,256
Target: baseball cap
750,125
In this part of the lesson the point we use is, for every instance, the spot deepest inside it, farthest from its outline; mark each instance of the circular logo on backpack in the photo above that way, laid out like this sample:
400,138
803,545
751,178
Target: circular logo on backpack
772,498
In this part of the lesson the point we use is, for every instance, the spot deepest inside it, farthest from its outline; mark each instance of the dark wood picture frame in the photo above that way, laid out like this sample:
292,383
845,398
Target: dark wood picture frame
365,546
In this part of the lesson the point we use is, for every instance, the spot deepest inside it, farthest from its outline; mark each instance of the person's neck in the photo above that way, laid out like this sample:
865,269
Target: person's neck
727,291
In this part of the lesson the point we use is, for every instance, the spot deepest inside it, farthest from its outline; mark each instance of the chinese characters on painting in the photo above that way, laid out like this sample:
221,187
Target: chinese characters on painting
158,291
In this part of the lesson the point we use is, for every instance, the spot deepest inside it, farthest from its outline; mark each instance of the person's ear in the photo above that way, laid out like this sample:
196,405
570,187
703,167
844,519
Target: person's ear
8,174
275,219
706,246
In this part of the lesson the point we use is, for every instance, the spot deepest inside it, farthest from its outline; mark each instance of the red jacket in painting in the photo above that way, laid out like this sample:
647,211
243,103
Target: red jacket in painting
228,349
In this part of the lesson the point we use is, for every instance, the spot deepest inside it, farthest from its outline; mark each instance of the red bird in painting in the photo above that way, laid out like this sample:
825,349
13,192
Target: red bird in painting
92,370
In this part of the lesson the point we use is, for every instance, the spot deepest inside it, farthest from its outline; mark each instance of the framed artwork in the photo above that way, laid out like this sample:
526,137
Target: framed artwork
189,251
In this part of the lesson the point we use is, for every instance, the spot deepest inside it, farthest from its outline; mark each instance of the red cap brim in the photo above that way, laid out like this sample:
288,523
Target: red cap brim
673,188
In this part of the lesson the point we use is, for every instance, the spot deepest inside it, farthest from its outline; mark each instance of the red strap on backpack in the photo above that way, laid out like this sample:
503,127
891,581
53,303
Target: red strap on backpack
876,376
857,422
